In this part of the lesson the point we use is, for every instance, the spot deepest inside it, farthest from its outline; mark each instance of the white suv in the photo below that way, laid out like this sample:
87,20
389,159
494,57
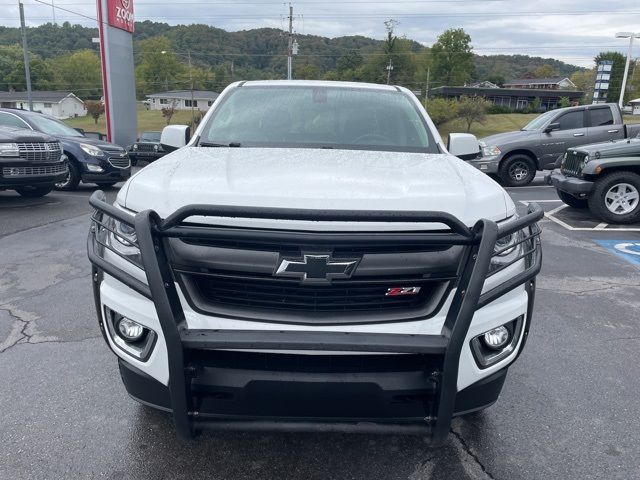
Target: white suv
314,257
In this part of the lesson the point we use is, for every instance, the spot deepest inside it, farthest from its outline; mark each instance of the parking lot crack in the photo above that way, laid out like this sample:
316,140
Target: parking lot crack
18,333
468,451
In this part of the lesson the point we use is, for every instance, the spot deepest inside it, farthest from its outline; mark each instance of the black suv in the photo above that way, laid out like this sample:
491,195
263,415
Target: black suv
88,160
147,148
30,162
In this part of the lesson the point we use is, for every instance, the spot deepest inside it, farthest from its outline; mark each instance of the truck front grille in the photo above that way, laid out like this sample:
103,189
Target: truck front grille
145,147
10,172
40,151
572,164
119,161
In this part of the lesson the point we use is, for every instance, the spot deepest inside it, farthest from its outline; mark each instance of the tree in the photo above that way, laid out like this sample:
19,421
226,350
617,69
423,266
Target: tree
453,58
564,102
585,82
349,61
499,80
168,111
543,71
158,67
95,109
306,71
472,109
441,110
12,74
617,72
78,72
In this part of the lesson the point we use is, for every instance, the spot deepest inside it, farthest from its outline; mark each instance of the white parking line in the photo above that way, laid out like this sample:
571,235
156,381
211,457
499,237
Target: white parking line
527,202
600,227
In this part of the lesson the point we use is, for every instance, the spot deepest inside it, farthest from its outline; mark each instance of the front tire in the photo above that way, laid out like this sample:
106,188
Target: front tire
34,192
616,198
571,200
517,171
72,180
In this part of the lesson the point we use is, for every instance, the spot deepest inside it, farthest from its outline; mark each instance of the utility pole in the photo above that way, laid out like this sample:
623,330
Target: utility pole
389,68
290,47
193,115
53,11
630,36
426,94
25,51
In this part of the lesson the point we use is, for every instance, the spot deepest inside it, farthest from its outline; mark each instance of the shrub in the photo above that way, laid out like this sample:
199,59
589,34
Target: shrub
441,110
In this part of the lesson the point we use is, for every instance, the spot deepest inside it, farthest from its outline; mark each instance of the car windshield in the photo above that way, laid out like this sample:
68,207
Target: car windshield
318,117
150,137
538,122
53,127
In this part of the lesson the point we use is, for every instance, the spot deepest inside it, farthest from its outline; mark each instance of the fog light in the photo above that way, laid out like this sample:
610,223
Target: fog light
497,338
129,330
94,168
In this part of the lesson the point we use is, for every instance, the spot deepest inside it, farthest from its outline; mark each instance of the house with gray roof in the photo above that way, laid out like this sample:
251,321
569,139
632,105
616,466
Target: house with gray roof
58,104
551,83
182,99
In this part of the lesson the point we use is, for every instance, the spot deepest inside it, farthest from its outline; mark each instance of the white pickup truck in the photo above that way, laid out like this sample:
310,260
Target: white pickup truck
314,258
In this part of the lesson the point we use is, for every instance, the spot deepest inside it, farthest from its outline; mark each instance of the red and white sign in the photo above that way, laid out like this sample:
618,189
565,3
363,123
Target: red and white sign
120,14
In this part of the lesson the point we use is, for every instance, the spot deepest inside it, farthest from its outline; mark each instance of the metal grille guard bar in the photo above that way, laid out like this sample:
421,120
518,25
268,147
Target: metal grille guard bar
150,230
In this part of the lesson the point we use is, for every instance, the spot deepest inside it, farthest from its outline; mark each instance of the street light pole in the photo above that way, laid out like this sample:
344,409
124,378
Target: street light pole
193,115
25,51
630,36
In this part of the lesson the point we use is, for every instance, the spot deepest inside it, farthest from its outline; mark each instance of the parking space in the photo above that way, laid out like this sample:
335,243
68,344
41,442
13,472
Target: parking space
568,409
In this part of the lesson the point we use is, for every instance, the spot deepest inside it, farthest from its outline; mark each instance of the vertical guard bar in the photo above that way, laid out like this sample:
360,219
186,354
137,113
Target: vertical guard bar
170,315
458,320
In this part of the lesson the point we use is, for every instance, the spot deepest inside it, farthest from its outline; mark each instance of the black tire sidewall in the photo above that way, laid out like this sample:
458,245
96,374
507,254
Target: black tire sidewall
74,179
597,203
506,165
34,192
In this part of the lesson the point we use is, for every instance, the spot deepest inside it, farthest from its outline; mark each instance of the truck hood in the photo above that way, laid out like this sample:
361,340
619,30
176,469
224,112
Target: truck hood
618,148
11,135
510,137
316,179
91,141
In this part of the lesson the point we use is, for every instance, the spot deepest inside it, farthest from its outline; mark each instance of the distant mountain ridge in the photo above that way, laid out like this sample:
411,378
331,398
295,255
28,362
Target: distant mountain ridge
258,49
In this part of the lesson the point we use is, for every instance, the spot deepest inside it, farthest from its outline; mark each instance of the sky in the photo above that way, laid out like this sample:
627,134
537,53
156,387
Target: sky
569,30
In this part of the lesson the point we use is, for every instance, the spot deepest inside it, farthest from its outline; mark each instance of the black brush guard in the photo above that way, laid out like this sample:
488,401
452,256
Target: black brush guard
152,232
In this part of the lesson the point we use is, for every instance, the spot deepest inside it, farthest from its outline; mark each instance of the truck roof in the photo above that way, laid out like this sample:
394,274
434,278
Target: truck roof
318,83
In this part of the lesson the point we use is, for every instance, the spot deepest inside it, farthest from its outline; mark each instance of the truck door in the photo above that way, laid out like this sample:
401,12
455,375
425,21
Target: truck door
602,126
570,132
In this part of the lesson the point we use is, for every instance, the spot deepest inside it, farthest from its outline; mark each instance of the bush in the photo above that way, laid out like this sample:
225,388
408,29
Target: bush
499,109
472,109
441,110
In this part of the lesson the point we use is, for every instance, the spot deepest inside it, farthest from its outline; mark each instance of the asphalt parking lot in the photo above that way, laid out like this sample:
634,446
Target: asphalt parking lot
569,409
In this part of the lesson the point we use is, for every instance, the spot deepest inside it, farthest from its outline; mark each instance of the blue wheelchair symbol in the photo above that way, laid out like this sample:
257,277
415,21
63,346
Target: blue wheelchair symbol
627,249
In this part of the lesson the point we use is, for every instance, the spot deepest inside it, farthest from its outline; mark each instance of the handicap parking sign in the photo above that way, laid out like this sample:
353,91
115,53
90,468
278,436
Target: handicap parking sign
627,249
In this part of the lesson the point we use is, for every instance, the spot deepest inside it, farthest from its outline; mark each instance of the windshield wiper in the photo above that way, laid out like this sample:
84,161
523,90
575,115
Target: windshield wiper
209,144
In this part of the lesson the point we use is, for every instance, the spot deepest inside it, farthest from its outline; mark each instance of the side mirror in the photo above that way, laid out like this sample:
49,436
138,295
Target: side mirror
463,145
551,127
174,137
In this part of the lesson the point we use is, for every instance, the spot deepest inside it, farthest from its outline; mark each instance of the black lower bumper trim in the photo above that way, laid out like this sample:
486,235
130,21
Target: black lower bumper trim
572,185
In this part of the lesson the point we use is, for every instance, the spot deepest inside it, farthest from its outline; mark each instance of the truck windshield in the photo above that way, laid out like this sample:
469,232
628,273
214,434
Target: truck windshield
538,122
318,117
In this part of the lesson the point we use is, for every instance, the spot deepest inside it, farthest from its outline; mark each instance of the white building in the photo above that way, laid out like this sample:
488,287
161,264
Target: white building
182,99
55,103
635,106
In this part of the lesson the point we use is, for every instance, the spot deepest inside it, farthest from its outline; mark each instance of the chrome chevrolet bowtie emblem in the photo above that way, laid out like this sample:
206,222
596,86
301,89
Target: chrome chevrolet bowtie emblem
318,268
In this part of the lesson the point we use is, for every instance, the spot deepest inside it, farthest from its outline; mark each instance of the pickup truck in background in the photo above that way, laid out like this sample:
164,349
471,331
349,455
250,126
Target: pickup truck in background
540,145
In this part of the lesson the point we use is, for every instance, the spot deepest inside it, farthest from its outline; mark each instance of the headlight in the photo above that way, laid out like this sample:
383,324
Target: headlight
155,147
491,151
506,250
91,150
9,150
135,146
124,241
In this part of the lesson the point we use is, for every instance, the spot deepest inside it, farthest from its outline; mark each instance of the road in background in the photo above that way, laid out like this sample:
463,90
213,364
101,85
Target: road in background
569,409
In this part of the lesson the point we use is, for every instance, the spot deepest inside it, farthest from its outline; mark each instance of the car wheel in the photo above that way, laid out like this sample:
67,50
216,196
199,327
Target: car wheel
34,192
517,171
72,179
572,201
616,198
106,184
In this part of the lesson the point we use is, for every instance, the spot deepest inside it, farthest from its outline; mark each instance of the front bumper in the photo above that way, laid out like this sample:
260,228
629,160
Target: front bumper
22,174
111,174
574,186
486,164
218,378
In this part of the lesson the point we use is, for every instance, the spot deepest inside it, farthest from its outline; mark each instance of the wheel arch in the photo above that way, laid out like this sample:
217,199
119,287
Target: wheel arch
520,151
